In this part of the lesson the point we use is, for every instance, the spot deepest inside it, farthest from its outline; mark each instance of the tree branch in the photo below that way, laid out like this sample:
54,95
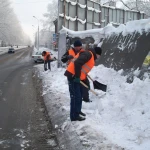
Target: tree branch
137,5
125,4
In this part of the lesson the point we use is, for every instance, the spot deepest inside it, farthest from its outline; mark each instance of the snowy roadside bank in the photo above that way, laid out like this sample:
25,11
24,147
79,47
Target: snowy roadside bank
54,102
71,135
118,121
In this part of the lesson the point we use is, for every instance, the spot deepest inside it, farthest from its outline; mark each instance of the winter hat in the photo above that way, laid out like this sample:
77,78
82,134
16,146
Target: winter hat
77,43
43,53
98,50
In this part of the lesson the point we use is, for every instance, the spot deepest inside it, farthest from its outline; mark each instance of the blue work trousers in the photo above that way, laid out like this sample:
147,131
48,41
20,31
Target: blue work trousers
45,64
75,90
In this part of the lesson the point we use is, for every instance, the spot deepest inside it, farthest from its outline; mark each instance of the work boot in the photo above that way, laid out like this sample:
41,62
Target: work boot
78,119
81,113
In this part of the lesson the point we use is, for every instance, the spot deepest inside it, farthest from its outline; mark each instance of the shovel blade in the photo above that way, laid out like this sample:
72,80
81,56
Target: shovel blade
99,86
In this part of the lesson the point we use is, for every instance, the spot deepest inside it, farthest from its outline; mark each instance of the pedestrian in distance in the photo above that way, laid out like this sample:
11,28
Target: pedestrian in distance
47,60
77,71
67,57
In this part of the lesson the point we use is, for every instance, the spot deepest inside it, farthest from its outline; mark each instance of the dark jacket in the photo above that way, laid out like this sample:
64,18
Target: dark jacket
83,58
64,58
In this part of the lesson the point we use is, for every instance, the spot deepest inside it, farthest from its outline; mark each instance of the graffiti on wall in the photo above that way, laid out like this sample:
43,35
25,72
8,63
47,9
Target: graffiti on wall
146,62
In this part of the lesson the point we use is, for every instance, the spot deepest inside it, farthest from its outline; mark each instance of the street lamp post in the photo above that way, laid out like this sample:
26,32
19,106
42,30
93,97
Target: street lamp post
35,37
38,31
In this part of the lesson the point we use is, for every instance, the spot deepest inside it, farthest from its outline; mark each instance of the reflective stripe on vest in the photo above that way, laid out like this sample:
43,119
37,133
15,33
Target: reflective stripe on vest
85,68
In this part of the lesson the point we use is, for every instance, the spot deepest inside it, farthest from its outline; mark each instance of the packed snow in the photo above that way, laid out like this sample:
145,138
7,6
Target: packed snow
121,117
117,120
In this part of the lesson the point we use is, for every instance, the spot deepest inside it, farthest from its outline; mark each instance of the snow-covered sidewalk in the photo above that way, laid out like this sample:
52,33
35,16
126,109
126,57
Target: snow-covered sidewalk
120,120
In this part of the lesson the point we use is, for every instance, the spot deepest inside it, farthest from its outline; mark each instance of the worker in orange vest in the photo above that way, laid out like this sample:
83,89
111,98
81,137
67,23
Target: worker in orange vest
70,54
77,71
67,57
47,59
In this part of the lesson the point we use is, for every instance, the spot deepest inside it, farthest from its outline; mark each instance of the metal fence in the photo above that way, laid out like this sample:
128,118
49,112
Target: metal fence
79,15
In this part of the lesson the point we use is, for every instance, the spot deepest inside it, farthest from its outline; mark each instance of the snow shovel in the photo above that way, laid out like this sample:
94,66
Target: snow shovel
98,85
88,88
100,96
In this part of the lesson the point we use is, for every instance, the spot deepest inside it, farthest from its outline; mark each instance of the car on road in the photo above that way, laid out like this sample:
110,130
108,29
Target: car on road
37,57
11,50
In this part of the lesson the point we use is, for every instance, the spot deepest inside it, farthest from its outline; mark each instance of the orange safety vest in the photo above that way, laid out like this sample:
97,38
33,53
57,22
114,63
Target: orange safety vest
71,52
85,68
47,56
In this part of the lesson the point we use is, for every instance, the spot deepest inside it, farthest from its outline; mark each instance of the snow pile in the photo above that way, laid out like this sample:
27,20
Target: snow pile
130,27
120,119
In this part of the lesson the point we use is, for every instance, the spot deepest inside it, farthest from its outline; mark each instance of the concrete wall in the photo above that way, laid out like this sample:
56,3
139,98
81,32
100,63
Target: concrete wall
125,52
80,15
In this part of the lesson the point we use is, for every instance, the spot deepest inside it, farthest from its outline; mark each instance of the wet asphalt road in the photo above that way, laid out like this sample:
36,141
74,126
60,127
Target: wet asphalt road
23,120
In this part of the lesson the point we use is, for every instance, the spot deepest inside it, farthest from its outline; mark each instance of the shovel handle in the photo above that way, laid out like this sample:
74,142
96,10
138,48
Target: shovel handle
88,88
90,78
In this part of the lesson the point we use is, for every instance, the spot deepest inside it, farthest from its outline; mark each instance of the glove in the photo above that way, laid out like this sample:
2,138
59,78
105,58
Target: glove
77,80
70,57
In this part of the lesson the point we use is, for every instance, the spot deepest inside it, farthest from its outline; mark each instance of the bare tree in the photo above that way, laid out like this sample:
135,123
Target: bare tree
139,5
51,15
105,1
9,25
98,1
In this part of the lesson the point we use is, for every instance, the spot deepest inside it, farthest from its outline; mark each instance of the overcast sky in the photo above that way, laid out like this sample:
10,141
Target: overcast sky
26,9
